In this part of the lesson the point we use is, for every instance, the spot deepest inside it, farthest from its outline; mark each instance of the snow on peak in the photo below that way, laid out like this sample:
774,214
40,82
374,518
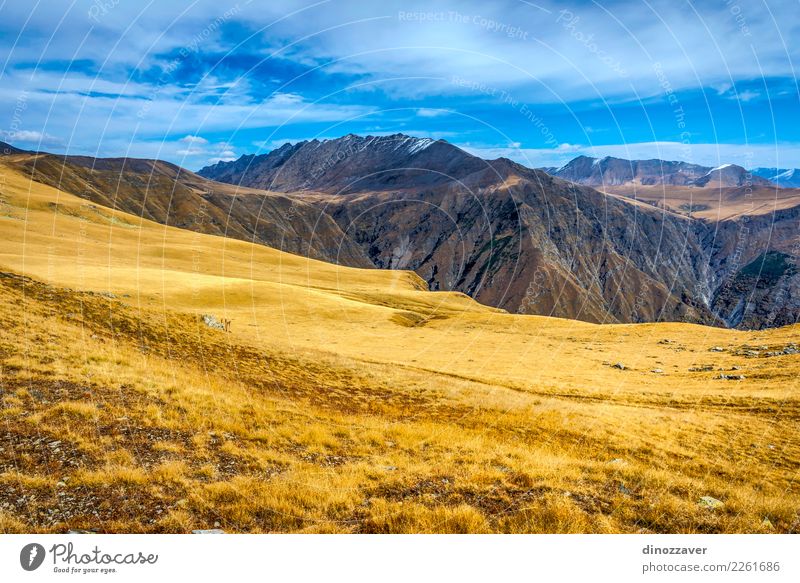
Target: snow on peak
720,168
419,145
413,145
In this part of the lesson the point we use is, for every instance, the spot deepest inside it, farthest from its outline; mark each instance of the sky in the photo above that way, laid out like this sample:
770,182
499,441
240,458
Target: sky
194,83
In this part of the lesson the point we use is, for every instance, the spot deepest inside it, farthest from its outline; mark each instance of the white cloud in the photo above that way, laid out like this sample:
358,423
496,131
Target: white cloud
428,112
31,137
193,140
695,45
190,152
568,58
747,95
142,120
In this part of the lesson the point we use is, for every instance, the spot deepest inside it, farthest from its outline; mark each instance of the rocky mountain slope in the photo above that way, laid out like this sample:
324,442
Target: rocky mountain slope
350,164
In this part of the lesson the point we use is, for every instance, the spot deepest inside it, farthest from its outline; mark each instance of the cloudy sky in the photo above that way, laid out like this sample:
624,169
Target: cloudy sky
708,82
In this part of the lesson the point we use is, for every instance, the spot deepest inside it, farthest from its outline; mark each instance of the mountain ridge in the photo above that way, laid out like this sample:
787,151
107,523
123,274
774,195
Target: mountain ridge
512,237
611,171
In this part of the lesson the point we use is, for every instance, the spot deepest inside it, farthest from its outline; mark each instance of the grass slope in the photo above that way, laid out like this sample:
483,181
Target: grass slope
350,400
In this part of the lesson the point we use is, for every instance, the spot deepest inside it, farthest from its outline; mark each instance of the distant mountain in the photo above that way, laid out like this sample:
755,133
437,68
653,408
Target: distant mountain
783,177
730,175
617,171
611,171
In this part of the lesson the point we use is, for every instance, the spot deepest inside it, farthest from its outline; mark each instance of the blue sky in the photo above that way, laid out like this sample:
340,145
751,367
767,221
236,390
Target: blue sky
539,82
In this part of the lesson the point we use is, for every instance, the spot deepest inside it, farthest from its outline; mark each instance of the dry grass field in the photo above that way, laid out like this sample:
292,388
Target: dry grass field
348,400
710,203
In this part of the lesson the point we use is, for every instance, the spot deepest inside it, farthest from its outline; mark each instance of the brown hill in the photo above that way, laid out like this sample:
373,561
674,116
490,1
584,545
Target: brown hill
171,195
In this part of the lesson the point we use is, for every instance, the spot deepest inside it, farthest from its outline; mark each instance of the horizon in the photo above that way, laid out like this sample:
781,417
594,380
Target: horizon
535,83
466,150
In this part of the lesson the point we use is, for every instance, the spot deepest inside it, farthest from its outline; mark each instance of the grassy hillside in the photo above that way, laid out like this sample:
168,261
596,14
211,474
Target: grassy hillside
352,400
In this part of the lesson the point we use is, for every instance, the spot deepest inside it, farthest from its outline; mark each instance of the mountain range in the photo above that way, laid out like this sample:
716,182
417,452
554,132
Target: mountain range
527,241
512,237
784,177
611,171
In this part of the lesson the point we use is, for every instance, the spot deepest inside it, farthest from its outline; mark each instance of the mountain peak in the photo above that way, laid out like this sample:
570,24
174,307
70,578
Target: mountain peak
349,164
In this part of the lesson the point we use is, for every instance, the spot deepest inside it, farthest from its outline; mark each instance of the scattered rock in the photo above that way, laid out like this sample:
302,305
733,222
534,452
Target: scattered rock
736,368
617,461
665,341
731,377
618,365
702,368
212,322
79,531
209,531
216,525
716,349
624,491
657,370
710,503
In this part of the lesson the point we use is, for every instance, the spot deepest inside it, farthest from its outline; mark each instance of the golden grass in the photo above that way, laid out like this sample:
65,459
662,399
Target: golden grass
349,400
